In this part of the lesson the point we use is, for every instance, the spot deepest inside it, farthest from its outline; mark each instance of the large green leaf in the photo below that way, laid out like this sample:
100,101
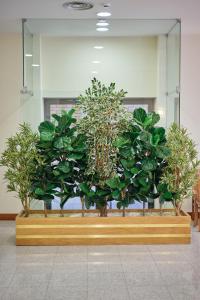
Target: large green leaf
162,152
113,183
121,141
39,192
47,131
151,119
84,188
63,142
64,167
139,116
148,164
75,156
128,163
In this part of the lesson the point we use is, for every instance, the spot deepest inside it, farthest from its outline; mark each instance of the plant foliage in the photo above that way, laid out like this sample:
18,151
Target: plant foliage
20,157
182,165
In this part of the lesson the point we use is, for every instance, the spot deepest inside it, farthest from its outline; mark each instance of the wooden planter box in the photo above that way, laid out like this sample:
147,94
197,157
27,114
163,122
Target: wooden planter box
114,230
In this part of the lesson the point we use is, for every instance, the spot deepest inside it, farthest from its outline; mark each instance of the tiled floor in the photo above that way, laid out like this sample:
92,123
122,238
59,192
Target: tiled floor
163,272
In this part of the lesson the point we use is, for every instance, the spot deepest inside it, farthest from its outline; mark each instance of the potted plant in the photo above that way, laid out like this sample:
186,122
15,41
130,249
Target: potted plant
20,158
107,155
104,118
180,173
63,153
142,158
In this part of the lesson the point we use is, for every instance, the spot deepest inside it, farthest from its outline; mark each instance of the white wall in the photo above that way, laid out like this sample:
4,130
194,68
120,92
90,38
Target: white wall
11,106
67,65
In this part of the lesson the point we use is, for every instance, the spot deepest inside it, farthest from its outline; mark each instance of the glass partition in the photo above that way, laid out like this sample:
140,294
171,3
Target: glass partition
62,56
173,75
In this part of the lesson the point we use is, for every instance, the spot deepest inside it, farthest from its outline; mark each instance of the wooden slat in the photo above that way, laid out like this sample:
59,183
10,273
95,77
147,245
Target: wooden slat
87,231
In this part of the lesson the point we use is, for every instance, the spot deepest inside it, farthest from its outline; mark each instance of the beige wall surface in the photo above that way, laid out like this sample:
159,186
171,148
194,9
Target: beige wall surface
67,64
11,106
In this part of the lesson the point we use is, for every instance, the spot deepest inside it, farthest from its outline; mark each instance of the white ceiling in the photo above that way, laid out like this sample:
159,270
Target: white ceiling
122,27
188,10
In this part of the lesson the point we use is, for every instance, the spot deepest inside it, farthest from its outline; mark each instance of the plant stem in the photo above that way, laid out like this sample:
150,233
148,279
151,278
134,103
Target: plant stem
83,206
45,209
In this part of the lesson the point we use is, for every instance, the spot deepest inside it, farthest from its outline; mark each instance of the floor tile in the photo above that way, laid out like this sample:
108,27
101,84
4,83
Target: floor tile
105,280
61,277
185,292
101,266
26,293
149,293
108,293
65,293
143,279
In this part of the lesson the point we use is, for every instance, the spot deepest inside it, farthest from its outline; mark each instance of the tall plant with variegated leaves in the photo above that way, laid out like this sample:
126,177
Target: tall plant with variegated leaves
104,118
182,165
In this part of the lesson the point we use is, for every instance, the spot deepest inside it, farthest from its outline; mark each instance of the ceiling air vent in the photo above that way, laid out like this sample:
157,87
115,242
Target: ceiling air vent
78,5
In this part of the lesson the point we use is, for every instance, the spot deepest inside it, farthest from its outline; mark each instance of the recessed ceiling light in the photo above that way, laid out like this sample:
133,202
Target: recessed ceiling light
102,24
94,72
35,65
102,29
28,55
104,14
98,47
78,5
96,62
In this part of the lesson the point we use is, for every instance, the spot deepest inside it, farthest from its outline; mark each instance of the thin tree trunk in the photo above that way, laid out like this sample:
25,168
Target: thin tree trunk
161,209
83,206
45,209
178,208
26,207
103,211
61,212
143,210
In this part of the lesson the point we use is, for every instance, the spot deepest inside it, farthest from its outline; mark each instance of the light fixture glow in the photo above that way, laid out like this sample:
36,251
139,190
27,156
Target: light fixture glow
35,65
28,55
94,72
104,14
102,29
98,47
102,23
96,62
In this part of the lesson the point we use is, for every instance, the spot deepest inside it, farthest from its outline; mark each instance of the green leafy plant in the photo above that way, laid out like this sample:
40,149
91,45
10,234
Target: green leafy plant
63,153
142,158
104,119
20,159
182,164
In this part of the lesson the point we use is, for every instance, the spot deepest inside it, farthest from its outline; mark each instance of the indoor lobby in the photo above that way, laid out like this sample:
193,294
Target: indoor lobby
99,150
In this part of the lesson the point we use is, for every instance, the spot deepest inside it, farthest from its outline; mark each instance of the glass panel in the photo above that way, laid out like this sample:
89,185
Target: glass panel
27,59
173,75
140,56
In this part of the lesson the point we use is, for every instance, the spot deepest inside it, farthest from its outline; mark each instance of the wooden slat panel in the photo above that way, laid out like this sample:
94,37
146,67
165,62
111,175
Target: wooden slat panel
103,220
108,241
85,231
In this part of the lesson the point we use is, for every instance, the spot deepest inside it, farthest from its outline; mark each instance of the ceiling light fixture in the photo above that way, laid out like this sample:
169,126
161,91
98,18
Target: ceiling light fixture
96,62
104,14
98,47
78,5
28,55
102,23
102,29
94,72
35,65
